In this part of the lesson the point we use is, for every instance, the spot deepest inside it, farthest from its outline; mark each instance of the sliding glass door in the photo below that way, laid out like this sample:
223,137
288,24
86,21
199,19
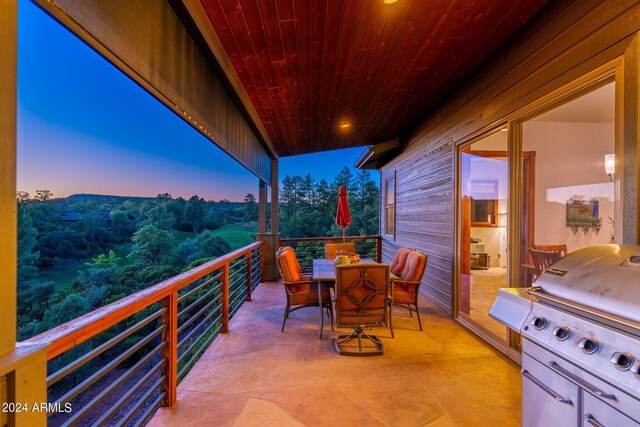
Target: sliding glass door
484,188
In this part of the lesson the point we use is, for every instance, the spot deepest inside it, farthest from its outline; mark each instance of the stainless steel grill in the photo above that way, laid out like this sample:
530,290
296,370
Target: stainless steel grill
580,324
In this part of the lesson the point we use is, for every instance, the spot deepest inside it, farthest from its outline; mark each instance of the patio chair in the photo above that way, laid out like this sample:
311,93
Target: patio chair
362,296
330,249
405,290
543,258
300,290
552,248
399,260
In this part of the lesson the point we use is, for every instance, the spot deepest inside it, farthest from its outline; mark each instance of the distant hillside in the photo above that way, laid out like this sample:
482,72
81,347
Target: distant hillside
84,197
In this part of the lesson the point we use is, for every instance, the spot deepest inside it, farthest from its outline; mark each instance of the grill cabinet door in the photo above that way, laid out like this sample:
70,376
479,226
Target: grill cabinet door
548,399
597,413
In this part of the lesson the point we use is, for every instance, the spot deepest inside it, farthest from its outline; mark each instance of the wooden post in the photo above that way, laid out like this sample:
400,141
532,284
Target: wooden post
379,249
225,298
275,197
8,204
170,351
262,207
249,275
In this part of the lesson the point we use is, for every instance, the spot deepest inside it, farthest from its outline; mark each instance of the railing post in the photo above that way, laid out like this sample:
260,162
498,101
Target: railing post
249,275
379,248
170,351
225,298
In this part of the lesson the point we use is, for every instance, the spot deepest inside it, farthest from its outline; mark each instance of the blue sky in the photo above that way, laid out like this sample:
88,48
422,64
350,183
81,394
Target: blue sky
84,127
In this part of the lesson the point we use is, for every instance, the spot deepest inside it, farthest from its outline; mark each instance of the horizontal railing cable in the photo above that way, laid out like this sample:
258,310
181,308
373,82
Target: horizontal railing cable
200,312
106,417
108,367
194,358
188,308
81,361
145,397
114,385
200,286
188,336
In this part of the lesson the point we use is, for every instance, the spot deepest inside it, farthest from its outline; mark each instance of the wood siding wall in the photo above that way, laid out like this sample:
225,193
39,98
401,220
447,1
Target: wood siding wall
147,42
564,42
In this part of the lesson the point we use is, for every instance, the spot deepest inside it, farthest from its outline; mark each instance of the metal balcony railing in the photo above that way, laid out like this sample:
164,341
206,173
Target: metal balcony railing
313,247
118,364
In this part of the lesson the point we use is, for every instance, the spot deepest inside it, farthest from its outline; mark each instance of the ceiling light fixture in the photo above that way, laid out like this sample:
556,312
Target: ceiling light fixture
345,125
389,1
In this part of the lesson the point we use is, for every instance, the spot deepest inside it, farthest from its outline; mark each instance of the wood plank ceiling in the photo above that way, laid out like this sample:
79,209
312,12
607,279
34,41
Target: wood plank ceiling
311,66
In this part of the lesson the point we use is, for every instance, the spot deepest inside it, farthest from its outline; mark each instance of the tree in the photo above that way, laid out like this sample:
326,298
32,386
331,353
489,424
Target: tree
27,255
94,227
160,216
151,245
43,195
195,212
122,224
104,261
212,245
250,207
72,306
22,196
344,177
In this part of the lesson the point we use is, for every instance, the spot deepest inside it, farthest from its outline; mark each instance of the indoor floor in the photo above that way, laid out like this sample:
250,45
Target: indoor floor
256,375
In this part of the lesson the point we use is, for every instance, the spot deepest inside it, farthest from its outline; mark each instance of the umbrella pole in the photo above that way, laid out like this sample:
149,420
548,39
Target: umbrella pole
343,235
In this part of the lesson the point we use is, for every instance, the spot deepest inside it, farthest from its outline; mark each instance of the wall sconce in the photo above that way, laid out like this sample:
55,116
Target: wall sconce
610,165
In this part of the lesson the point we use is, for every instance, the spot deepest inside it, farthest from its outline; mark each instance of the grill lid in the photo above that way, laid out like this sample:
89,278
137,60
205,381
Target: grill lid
605,278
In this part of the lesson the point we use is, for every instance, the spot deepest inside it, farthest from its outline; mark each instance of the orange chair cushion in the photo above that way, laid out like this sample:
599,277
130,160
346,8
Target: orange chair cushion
297,263
404,294
288,264
399,261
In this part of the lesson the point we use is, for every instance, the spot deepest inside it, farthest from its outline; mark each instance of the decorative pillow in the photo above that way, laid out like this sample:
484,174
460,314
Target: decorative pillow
399,261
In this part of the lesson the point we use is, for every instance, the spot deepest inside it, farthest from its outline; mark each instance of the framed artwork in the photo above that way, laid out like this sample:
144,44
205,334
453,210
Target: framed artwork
583,214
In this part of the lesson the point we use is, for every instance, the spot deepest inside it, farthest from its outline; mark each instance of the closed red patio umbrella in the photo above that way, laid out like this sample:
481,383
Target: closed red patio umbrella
343,216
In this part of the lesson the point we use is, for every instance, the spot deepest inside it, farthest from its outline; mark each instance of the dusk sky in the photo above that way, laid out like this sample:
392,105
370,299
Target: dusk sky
84,127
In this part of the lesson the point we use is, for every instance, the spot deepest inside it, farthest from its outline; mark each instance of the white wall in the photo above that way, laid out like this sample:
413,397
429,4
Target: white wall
569,162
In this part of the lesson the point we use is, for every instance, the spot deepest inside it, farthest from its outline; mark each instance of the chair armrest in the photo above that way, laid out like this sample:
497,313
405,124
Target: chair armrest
405,282
302,282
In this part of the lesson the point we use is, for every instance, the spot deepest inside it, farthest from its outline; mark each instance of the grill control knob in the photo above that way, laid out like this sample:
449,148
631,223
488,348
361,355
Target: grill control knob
622,361
561,333
539,323
588,345
636,369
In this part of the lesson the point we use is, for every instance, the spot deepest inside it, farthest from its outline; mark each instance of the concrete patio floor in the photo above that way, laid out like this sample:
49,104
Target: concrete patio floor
256,375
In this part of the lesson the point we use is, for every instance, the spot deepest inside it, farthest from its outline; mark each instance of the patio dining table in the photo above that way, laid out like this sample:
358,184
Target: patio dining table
324,271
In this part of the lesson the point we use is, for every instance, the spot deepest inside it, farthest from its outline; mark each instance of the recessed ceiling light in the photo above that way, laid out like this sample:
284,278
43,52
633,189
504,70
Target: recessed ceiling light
389,1
345,125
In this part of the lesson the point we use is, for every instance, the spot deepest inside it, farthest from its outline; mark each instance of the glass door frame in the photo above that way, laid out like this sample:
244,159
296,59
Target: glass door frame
607,73
464,319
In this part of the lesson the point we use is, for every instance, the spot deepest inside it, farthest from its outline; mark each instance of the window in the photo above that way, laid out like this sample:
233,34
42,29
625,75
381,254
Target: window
390,207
